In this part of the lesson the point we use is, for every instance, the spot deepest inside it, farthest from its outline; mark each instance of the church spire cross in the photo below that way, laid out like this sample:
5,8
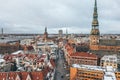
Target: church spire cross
95,3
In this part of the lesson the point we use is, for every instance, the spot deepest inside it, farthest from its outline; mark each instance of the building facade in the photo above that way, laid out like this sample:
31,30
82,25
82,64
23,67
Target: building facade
74,57
60,33
87,72
9,48
83,58
109,60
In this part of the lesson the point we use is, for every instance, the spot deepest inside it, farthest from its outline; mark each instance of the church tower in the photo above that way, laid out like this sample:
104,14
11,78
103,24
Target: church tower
95,34
45,34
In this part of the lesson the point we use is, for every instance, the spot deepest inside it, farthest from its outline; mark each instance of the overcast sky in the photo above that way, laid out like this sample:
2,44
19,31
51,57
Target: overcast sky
32,16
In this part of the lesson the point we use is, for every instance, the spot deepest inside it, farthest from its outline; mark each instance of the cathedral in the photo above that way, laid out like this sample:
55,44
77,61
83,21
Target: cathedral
98,45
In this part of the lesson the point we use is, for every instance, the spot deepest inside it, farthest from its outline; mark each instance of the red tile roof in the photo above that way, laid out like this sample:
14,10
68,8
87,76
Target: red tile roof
84,54
29,56
37,75
12,75
24,75
3,76
40,75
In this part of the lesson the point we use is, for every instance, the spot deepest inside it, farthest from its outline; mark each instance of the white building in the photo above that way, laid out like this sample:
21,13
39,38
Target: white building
109,60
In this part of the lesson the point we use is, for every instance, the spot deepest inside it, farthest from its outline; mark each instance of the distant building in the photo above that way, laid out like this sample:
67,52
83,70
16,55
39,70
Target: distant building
60,33
87,72
46,45
26,41
96,43
109,60
45,36
9,45
2,34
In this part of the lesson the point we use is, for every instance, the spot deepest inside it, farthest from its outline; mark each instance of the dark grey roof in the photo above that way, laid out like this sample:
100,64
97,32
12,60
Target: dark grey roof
109,42
101,53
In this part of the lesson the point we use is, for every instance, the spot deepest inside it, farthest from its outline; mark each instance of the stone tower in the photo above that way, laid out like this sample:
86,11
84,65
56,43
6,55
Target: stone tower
95,34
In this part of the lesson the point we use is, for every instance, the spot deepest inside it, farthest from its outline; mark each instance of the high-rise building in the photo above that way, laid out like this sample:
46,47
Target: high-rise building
2,34
2,31
60,33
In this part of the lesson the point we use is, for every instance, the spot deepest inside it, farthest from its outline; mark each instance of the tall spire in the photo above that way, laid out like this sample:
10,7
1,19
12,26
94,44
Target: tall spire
45,33
2,31
95,23
95,16
95,3
45,29
66,33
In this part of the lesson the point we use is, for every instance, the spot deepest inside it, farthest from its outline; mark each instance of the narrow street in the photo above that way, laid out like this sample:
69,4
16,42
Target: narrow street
60,70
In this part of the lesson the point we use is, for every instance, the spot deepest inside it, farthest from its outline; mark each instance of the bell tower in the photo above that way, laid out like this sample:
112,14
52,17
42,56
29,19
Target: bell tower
95,34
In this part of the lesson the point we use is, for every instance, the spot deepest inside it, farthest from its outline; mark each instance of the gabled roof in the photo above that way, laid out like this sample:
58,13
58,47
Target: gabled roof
12,75
37,75
24,75
3,76
28,77
17,77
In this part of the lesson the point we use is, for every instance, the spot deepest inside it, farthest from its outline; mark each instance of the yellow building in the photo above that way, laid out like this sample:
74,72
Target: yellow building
117,74
87,72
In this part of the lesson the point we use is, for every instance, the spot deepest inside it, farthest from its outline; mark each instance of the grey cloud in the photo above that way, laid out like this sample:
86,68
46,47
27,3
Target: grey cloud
31,16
